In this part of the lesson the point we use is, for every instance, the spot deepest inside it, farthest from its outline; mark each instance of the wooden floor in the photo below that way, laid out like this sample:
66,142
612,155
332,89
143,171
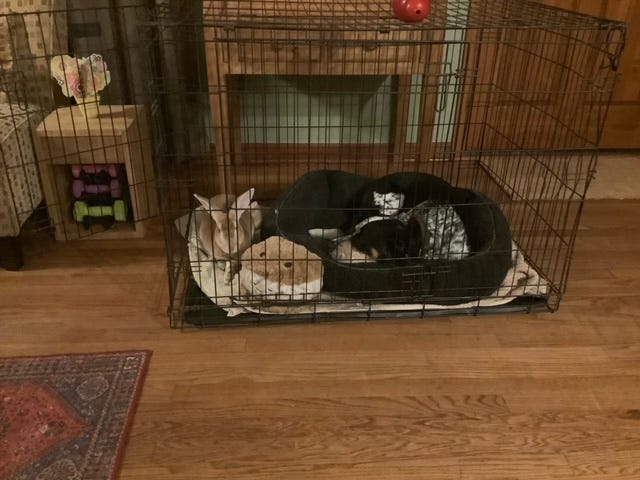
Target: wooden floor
548,396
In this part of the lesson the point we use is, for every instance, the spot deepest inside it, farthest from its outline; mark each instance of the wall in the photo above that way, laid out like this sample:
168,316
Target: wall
94,28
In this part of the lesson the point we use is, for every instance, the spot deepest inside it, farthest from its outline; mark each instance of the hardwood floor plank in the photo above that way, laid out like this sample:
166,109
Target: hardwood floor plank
602,462
439,408
369,337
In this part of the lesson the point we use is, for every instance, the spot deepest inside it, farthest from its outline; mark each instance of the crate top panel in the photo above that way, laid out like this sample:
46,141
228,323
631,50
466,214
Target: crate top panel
377,15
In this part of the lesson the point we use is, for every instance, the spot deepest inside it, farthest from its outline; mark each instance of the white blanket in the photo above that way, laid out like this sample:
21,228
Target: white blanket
520,280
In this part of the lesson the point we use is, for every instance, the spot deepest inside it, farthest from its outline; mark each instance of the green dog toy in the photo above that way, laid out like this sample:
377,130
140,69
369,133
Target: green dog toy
118,211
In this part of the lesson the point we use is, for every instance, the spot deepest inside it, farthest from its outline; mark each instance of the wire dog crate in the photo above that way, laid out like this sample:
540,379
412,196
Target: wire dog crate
493,104
323,159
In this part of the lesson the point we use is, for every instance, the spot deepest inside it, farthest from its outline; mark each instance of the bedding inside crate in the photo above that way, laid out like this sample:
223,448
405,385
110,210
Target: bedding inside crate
506,273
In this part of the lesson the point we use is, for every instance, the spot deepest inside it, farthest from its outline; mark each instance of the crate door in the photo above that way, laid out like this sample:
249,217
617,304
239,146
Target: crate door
621,128
543,88
97,171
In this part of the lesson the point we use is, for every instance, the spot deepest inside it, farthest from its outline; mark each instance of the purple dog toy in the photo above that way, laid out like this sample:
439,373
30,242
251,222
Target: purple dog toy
113,187
109,168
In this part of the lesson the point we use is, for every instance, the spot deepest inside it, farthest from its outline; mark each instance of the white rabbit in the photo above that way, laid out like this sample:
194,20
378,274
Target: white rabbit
233,225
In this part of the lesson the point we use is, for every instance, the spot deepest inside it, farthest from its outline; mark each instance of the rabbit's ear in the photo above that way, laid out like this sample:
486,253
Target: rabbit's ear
241,205
219,216
205,202
243,202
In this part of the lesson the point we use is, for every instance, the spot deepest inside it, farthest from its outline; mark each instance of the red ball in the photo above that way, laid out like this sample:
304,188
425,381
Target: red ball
410,10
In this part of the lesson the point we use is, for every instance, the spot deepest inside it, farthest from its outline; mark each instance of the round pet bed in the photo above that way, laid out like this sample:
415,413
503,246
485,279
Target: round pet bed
333,200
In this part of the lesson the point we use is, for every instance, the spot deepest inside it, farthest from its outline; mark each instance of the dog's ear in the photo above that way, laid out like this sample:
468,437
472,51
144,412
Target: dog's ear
400,247
414,238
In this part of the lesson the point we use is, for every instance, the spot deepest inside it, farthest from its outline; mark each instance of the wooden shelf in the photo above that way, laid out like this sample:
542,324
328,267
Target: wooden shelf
118,136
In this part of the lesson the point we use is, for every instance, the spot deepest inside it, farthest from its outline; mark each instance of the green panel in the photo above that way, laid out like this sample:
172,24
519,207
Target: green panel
319,109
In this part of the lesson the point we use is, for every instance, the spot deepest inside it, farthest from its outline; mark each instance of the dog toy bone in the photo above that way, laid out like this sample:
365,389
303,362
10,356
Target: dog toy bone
80,187
109,168
118,211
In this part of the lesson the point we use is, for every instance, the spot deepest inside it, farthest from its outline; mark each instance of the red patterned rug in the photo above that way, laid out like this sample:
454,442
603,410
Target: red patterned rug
67,417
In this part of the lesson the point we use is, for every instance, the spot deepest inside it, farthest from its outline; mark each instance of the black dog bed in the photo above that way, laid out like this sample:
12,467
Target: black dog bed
334,199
